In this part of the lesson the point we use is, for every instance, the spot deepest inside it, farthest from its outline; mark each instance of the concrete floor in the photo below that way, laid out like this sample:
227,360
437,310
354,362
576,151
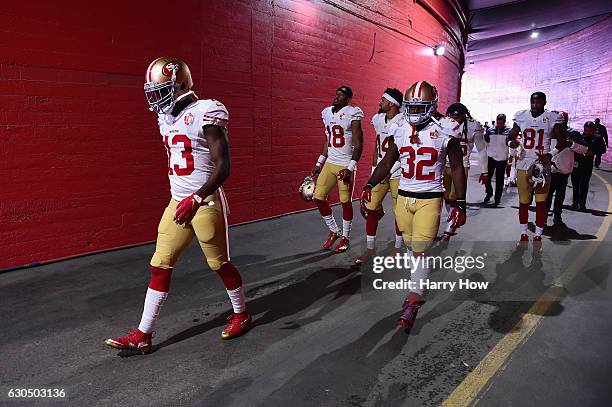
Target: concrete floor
321,337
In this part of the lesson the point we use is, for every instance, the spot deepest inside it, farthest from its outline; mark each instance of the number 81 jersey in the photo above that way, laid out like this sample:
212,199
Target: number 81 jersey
536,135
339,133
189,160
423,153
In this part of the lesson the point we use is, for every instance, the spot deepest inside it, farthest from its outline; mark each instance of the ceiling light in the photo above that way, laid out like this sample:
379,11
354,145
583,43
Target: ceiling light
471,63
439,50
534,34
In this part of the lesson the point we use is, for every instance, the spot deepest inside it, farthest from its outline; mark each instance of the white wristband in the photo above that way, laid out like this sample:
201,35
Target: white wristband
351,165
321,160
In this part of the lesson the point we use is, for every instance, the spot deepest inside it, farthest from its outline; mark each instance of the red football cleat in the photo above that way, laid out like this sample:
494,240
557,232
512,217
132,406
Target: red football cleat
331,238
537,243
524,238
343,245
366,256
238,325
446,237
409,314
134,340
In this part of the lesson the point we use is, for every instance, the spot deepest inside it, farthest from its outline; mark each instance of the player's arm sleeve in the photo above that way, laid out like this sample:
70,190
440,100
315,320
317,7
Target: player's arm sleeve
215,115
357,114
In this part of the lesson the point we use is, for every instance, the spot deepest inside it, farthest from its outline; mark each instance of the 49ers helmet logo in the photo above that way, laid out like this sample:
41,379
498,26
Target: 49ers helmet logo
171,67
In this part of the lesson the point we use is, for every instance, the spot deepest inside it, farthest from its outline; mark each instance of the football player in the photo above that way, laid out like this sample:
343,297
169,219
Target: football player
390,104
472,134
537,127
422,140
336,165
194,134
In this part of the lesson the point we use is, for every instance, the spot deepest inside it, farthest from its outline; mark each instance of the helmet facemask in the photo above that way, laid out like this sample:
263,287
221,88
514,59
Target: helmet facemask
417,112
161,95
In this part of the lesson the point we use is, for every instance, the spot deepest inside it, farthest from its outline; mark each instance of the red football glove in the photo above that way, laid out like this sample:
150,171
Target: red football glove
366,198
457,216
484,178
346,176
187,208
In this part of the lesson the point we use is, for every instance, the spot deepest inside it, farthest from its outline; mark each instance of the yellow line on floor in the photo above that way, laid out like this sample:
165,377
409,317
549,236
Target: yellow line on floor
478,380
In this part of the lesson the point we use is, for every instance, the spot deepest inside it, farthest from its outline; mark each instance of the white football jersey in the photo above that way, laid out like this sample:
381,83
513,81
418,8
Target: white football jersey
339,133
381,126
189,160
423,162
473,136
536,133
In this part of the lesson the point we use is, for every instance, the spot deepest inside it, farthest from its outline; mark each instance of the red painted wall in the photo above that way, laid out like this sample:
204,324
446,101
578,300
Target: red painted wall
574,72
82,164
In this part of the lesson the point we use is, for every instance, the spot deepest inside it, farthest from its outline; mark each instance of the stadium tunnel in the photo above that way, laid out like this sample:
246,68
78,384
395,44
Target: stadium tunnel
84,185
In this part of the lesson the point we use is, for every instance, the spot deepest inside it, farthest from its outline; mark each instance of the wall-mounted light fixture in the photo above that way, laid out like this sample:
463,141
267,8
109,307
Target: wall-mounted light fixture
534,34
439,50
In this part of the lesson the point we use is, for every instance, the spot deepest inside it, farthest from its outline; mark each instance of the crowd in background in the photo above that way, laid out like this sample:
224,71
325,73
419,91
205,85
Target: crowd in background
577,161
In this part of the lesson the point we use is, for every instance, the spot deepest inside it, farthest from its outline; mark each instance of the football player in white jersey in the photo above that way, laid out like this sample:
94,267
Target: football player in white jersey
337,164
537,127
472,134
194,133
422,141
390,104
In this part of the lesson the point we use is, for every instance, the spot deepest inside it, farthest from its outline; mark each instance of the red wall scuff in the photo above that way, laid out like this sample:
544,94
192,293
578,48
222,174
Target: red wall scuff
82,163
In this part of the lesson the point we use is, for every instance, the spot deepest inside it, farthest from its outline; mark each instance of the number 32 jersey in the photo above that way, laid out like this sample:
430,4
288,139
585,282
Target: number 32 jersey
339,133
536,135
189,160
423,160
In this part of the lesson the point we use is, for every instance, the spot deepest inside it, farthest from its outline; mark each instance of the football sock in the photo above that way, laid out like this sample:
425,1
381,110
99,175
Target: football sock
371,242
233,285
399,239
540,215
371,222
157,292
346,228
523,213
330,221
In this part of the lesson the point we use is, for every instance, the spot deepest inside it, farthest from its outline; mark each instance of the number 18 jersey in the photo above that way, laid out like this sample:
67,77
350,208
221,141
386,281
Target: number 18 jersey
422,161
339,133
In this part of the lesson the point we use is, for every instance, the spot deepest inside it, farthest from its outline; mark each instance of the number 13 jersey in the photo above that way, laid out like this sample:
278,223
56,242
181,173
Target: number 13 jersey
536,135
339,133
189,160
422,161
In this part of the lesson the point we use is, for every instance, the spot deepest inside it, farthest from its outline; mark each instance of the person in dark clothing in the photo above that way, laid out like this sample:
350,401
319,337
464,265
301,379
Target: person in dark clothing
603,132
562,167
583,165
497,151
